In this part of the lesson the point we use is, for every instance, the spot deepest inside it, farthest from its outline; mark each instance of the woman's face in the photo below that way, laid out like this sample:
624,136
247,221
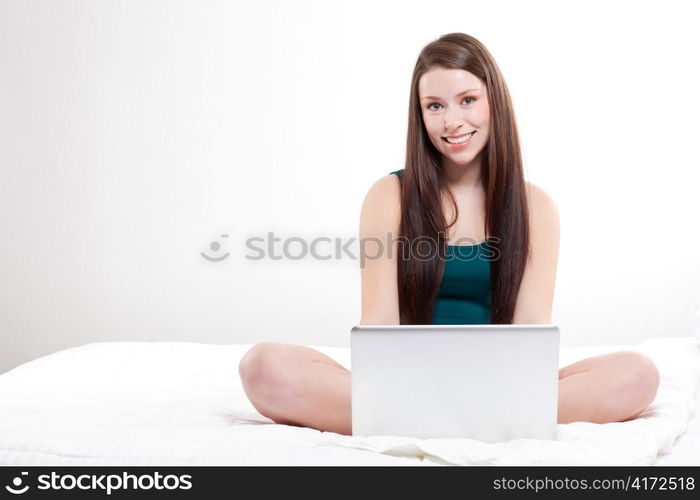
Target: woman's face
454,103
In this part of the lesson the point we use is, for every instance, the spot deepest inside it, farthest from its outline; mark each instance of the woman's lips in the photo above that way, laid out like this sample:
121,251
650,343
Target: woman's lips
461,145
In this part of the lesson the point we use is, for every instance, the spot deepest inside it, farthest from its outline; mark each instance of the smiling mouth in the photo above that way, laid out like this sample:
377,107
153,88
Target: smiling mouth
461,139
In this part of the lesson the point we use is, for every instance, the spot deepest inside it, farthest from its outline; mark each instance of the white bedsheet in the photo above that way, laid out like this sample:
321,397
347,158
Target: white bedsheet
168,403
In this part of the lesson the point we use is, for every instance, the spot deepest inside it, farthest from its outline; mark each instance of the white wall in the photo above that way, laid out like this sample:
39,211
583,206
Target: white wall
135,133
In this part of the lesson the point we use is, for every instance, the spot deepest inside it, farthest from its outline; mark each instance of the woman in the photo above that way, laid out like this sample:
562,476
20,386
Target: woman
463,165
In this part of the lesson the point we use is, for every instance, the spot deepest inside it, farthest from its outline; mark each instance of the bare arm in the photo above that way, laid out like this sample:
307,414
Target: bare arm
536,294
379,225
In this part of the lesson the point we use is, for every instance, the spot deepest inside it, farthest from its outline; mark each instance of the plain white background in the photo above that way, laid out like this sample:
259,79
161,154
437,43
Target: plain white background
135,133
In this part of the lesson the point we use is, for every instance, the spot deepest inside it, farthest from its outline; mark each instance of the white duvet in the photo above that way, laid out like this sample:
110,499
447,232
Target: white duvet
169,403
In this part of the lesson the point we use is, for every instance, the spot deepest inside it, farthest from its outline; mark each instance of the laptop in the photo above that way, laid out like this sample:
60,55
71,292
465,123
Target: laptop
493,383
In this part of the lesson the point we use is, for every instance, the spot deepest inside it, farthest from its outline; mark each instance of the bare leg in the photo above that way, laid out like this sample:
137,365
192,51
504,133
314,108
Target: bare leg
297,385
612,387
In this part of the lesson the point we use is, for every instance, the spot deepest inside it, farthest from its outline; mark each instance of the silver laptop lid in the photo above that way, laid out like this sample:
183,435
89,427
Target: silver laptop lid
488,382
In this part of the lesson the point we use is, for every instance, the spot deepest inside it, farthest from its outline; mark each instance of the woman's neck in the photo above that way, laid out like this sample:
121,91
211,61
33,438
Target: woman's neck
463,177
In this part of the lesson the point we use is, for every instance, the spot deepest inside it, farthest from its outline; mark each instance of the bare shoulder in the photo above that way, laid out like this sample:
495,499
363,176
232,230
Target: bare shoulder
542,207
544,221
386,191
381,209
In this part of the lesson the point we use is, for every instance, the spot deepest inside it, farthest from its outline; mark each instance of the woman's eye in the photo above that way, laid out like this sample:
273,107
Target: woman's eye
430,107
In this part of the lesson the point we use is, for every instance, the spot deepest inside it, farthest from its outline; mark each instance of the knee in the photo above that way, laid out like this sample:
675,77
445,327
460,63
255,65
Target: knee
259,366
637,383
641,374
267,376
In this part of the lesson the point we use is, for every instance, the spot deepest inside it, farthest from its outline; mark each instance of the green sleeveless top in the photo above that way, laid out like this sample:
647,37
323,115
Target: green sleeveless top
464,297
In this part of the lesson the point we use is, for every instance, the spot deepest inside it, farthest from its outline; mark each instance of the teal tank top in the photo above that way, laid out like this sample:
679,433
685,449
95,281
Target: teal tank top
464,297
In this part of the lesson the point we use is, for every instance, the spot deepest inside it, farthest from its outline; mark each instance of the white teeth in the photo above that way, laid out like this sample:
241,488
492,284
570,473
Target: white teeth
460,140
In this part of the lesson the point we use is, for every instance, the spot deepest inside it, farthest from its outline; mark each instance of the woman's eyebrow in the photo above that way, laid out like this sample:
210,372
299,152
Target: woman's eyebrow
433,97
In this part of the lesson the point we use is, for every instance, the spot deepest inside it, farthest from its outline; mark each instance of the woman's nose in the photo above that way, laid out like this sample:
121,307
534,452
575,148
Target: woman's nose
452,119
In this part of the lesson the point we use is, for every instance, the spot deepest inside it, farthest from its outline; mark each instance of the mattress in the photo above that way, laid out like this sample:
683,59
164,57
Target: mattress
182,403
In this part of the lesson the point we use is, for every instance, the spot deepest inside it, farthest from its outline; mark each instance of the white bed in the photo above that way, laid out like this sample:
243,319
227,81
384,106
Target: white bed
170,403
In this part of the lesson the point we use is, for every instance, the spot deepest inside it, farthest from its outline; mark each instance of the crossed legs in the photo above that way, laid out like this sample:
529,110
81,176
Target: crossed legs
297,385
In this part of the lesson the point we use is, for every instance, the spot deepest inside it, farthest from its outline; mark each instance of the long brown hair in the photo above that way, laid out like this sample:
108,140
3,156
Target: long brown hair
424,183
